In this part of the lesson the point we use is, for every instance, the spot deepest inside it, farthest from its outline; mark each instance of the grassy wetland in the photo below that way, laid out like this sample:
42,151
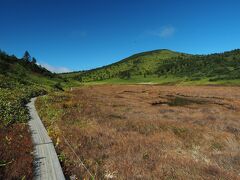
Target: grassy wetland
146,131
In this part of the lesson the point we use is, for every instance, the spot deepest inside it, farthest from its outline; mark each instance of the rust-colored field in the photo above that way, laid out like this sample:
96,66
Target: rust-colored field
16,159
147,132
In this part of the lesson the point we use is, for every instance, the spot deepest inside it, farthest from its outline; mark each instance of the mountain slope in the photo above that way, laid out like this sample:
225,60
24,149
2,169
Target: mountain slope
138,64
165,66
214,67
24,72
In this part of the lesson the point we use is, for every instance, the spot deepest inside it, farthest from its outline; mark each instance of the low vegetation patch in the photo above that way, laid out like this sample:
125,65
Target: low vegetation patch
16,161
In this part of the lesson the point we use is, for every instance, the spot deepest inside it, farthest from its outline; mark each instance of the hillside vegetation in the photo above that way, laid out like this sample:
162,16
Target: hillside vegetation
223,66
21,79
165,66
139,64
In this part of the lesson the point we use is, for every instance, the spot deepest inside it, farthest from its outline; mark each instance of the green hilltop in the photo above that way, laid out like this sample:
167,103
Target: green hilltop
139,64
167,67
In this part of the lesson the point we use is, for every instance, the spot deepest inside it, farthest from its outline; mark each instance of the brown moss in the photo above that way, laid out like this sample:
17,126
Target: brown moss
117,132
16,152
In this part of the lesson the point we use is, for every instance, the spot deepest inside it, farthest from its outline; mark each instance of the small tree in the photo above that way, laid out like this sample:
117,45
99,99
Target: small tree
26,56
58,86
125,75
34,61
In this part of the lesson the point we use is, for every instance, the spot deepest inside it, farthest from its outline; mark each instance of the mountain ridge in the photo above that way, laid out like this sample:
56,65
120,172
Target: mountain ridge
162,63
127,63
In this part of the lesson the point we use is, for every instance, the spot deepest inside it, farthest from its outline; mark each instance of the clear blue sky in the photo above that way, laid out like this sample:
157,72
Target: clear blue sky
83,34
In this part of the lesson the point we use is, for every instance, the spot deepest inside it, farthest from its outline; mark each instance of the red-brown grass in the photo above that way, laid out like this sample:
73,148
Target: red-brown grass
147,132
16,152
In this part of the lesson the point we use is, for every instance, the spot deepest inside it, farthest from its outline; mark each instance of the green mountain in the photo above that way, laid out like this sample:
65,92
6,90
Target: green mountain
165,66
139,64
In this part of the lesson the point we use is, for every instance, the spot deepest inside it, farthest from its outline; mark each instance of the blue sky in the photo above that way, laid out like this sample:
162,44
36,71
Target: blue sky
82,34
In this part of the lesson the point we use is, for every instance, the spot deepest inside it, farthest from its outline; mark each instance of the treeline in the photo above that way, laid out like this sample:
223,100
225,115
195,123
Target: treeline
215,67
11,64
